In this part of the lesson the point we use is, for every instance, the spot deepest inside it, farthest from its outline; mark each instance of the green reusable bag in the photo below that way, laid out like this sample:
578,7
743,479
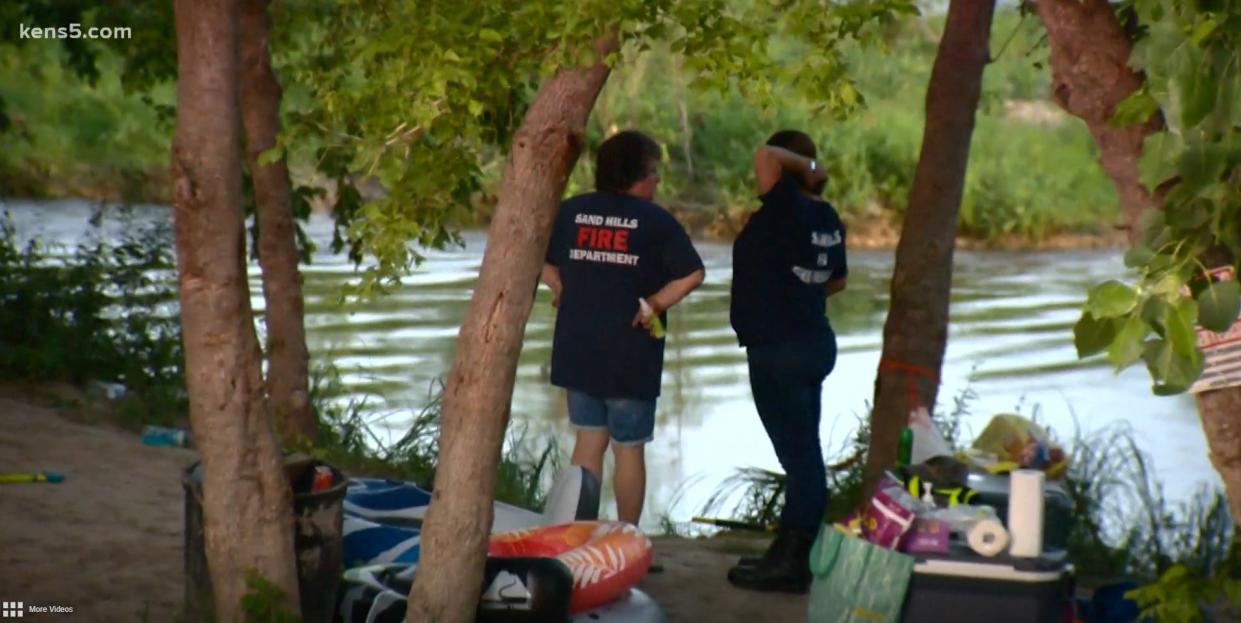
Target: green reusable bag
855,581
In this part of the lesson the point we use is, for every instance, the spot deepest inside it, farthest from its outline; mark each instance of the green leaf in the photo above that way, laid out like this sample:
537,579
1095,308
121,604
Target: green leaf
1168,286
1136,108
1138,256
1227,113
1158,357
1189,215
1197,87
1173,372
1126,348
1159,158
1110,299
1179,322
1218,305
490,36
1201,164
271,156
1152,312
1206,25
1184,370
1150,224
1092,335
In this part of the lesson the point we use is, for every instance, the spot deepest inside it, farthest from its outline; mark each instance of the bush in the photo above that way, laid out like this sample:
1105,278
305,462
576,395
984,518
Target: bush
105,311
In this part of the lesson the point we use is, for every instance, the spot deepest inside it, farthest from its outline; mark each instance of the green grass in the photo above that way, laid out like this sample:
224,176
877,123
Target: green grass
348,440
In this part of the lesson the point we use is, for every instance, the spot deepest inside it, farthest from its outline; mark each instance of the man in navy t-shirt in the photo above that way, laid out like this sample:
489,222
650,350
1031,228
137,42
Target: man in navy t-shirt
609,249
786,261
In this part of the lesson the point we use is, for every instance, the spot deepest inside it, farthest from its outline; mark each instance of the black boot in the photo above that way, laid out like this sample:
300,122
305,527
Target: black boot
788,569
773,552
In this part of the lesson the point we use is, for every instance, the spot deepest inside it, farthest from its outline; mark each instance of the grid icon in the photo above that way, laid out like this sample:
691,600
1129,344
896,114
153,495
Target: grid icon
13,610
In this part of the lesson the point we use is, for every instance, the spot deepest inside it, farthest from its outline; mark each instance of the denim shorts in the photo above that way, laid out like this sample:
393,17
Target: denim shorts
631,422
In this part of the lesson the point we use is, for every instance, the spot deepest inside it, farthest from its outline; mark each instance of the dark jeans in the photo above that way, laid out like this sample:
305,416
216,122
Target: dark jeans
786,379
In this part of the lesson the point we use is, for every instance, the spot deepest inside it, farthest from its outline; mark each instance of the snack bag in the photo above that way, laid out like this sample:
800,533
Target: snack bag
885,521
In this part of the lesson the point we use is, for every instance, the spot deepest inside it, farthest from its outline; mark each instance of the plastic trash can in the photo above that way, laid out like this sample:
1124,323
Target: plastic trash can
317,542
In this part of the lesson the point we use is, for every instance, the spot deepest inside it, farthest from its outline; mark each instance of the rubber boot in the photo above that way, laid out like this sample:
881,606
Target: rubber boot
787,571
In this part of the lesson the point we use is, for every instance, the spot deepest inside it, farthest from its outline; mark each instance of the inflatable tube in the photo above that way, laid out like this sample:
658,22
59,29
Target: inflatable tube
404,503
378,594
606,558
369,543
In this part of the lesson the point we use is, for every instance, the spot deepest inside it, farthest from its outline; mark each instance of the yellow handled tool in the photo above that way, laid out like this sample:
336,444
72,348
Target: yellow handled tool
32,477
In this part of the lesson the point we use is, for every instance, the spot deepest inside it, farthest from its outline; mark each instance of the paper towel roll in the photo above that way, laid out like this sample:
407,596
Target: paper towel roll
987,537
1025,512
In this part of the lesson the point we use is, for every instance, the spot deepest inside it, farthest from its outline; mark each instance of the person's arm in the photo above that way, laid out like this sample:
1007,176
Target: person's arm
770,162
835,285
669,295
551,277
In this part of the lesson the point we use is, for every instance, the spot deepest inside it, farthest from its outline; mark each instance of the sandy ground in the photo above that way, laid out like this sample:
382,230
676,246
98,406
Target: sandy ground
107,542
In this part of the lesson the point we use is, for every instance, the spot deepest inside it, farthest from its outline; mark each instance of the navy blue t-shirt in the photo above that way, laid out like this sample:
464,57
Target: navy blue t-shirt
787,251
612,249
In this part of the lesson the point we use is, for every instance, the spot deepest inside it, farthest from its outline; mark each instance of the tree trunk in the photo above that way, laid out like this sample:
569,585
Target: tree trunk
916,330
480,385
1090,76
287,358
246,501
1220,411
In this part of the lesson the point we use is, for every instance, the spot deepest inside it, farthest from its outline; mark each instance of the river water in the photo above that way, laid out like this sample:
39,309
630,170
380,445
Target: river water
1010,344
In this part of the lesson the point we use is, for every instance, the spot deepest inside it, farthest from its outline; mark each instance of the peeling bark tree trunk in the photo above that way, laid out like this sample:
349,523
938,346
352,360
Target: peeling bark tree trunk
1090,76
287,358
1220,411
480,385
1089,56
916,330
246,502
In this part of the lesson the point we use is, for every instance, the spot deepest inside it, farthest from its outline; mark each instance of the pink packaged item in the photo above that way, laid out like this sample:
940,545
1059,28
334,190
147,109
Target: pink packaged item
926,536
885,520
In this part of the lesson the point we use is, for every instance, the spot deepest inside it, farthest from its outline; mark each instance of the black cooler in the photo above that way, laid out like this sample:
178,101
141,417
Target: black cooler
963,587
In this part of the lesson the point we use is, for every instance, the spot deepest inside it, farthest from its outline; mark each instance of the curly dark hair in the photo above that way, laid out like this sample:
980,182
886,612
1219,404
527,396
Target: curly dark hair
624,159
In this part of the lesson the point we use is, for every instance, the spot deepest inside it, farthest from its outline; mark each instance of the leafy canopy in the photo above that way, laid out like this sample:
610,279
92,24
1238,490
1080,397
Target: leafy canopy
396,102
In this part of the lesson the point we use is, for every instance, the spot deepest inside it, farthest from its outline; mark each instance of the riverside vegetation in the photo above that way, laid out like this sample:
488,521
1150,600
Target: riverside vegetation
1033,173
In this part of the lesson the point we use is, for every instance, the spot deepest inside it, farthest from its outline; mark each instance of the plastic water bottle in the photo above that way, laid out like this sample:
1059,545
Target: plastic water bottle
164,436
904,451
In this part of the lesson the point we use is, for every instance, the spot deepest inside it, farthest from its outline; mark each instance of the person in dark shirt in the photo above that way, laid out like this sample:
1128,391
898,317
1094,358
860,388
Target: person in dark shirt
787,260
615,263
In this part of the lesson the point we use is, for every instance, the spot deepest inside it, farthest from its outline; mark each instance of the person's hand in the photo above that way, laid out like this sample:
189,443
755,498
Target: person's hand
645,316
556,299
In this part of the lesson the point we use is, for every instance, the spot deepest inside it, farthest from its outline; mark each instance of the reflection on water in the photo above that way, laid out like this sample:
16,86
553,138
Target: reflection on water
1010,343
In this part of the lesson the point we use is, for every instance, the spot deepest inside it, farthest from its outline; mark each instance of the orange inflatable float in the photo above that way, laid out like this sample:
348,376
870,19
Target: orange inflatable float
605,557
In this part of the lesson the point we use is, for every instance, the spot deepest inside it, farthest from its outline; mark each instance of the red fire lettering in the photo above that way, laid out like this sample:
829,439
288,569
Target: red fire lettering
620,241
